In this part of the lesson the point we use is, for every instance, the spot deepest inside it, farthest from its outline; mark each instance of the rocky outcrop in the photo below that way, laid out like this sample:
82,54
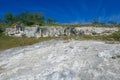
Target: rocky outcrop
46,31
61,60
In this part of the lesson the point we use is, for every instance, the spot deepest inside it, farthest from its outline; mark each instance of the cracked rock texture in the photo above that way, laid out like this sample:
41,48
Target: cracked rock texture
61,60
47,31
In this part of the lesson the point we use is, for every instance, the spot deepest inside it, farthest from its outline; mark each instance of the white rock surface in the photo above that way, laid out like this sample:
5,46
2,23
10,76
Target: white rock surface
61,60
56,31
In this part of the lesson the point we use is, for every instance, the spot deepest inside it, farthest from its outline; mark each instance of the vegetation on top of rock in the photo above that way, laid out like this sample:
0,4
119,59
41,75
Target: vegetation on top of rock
27,18
30,18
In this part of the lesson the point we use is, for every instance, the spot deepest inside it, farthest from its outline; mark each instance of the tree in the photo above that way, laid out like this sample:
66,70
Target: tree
118,25
22,17
40,18
1,21
9,18
51,21
103,24
112,23
95,22
29,18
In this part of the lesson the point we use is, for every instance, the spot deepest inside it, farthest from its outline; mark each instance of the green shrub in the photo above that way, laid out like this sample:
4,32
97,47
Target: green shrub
1,30
116,35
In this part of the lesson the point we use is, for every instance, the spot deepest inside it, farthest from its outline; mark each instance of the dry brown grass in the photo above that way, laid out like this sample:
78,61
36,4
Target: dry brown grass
7,42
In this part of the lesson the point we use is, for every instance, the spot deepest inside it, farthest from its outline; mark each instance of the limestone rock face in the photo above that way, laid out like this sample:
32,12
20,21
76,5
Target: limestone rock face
47,31
61,60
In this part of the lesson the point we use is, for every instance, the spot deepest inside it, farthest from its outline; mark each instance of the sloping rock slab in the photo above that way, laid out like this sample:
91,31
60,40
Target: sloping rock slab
61,60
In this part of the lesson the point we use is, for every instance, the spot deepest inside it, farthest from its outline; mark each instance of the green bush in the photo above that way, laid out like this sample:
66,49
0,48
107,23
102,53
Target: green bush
1,30
116,35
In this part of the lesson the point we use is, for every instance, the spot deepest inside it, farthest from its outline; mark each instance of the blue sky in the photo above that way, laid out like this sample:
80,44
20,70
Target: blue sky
66,11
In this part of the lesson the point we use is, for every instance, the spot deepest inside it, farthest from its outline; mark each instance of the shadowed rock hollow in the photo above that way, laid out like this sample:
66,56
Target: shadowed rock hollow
61,60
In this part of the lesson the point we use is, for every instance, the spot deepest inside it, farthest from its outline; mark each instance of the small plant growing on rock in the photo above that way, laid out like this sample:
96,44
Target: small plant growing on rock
23,35
116,57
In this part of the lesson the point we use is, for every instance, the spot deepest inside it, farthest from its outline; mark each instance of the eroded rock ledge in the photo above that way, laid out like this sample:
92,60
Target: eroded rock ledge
47,31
